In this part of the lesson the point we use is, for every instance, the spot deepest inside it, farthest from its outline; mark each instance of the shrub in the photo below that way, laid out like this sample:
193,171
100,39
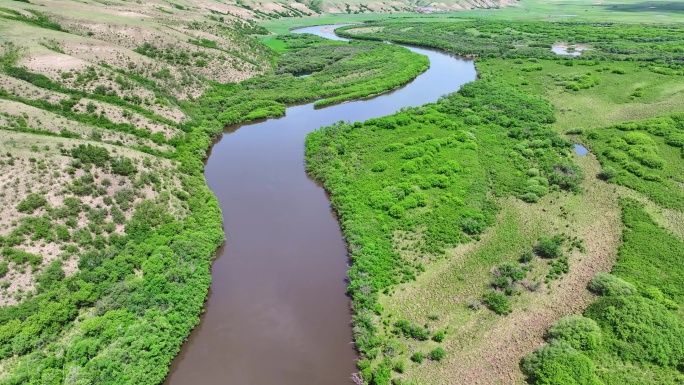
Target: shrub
439,336
608,284
642,330
52,274
397,211
549,247
89,154
31,203
123,166
472,120
379,166
537,190
558,363
566,175
418,357
399,366
437,354
530,197
4,268
577,331
638,138
20,257
412,331
526,257
675,140
608,173
498,302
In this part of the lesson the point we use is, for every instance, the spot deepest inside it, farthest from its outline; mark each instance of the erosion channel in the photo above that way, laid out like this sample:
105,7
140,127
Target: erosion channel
277,312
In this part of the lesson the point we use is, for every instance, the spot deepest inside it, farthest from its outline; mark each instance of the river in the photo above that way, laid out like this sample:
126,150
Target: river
277,312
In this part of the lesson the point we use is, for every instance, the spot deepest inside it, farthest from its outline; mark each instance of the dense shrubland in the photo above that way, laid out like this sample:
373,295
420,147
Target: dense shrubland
435,171
632,333
645,156
142,270
339,71
659,45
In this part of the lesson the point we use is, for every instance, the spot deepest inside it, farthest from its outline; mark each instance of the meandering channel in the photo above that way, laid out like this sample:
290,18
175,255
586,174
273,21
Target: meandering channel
277,312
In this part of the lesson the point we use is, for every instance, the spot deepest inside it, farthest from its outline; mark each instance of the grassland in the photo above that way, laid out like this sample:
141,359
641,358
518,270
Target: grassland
600,99
404,210
627,11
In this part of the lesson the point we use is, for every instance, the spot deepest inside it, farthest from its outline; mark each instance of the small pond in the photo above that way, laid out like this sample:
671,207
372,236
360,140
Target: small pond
580,150
568,51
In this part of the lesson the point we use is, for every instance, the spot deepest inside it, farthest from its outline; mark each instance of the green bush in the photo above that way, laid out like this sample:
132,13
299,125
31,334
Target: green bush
123,166
577,331
566,175
437,354
379,166
608,173
640,329
50,275
89,154
549,247
31,203
439,336
558,363
608,284
410,330
530,197
417,357
399,366
498,302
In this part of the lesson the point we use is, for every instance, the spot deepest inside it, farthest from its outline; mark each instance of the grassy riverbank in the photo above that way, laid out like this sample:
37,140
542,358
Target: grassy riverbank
108,229
443,310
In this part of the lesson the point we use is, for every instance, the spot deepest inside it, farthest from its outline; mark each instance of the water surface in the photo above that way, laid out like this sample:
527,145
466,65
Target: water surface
563,50
277,312
580,150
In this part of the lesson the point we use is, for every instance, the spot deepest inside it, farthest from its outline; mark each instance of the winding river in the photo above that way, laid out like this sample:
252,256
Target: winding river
277,312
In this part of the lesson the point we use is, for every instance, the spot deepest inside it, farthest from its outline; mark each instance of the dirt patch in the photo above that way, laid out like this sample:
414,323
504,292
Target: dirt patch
119,115
29,91
40,166
18,115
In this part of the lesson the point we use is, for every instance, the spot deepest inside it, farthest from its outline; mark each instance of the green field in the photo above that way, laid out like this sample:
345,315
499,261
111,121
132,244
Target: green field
634,73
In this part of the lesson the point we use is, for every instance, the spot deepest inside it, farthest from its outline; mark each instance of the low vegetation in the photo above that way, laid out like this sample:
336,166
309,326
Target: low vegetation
338,71
632,334
409,176
632,75
465,218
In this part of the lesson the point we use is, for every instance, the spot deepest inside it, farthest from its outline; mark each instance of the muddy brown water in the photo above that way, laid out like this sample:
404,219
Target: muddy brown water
277,311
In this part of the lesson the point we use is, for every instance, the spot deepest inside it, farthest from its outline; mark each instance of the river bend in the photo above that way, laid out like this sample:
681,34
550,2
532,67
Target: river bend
277,312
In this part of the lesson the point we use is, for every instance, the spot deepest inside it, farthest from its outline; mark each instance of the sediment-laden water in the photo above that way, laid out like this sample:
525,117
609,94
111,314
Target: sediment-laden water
277,311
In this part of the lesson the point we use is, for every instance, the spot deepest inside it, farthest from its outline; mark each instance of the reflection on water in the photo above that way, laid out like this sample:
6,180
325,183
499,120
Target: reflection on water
568,51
